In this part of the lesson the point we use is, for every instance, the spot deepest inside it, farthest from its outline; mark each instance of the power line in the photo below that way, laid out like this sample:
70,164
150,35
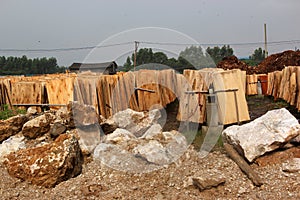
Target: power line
221,44
151,43
64,49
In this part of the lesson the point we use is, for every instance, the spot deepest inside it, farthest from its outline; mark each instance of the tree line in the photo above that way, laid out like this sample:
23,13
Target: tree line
26,66
194,56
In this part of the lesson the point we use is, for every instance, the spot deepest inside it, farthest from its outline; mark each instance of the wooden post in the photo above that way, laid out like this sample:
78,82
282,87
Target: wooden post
239,160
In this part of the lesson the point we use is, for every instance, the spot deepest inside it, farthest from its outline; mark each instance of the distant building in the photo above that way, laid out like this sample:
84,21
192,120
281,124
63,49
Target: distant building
105,68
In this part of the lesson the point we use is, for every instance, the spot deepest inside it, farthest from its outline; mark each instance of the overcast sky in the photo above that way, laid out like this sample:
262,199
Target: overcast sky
48,24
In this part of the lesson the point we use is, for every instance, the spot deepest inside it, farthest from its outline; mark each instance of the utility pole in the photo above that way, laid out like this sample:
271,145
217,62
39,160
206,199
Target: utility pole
136,45
266,49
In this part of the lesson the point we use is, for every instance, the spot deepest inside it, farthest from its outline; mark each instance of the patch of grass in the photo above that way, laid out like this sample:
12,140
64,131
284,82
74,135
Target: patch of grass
7,113
199,139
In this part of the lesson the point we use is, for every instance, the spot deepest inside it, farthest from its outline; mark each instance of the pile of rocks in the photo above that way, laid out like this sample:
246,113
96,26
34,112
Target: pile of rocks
43,148
48,148
138,144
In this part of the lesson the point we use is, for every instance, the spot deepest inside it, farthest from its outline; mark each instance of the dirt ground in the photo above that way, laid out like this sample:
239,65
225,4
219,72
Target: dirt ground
98,181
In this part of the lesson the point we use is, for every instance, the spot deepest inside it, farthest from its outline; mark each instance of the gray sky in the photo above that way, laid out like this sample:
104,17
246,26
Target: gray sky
47,24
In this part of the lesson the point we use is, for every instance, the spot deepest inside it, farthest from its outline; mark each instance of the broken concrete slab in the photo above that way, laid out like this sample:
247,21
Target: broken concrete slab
264,134
38,126
49,164
11,126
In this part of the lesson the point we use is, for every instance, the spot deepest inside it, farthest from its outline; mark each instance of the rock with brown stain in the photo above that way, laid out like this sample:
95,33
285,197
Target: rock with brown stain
49,164
38,126
11,126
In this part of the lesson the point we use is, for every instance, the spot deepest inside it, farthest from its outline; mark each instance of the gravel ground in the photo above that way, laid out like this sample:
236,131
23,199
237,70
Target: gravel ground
174,181
170,182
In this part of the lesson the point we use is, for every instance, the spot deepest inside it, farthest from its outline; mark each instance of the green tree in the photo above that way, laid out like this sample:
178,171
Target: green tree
23,65
128,65
195,56
217,53
258,55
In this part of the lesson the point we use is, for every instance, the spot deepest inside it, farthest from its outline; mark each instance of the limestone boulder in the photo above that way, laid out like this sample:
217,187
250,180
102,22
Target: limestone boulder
264,134
153,152
136,122
11,126
49,164
119,136
12,144
38,126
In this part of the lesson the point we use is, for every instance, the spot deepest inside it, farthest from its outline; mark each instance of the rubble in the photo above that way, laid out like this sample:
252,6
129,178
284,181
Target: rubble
11,126
264,134
38,126
48,164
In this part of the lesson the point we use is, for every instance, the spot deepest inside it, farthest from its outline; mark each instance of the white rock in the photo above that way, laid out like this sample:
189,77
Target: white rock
136,122
127,118
12,144
155,129
264,134
154,152
32,111
119,136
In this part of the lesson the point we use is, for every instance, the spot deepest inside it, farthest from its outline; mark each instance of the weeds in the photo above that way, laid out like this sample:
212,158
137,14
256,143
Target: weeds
7,113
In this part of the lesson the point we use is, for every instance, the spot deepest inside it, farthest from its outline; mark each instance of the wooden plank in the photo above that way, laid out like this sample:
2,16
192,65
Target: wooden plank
85,89
27,92
298,88
251,88
277,83
147,80
228,80
270,83
60,90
